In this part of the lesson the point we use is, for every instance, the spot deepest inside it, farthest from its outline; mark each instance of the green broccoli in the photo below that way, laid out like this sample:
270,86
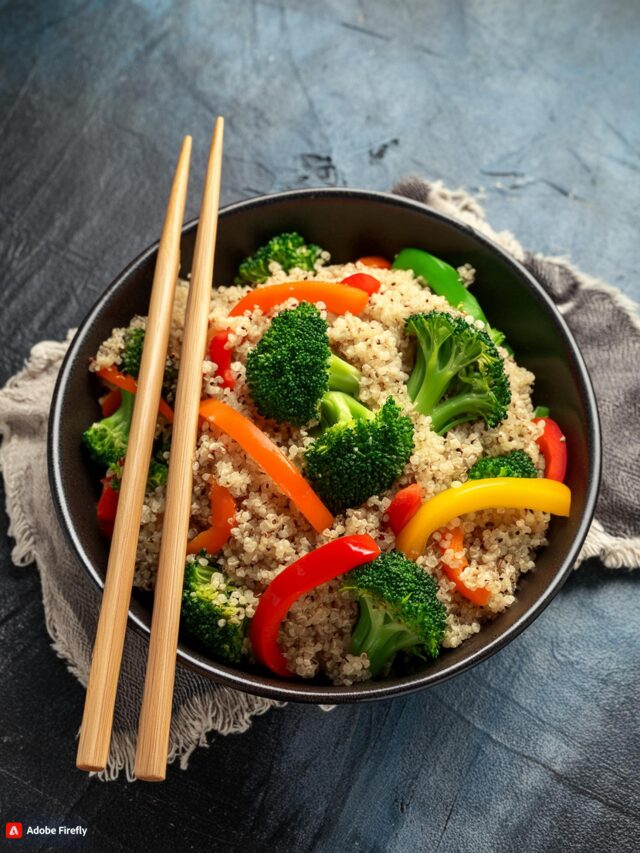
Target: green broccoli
132,352
107,439
214,611
517,463
358,453
292,366
399,611
458,374
289,250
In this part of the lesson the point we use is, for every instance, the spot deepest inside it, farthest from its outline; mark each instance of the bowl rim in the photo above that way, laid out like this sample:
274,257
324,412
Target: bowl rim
266,685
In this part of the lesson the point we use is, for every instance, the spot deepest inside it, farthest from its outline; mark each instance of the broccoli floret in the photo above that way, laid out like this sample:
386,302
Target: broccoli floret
288,250
399,610
107,439
158,473
132,352
292,366
517,463
458,374
213,612
358,454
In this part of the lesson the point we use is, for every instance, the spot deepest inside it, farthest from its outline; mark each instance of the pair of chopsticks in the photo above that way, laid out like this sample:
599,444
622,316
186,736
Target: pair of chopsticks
155,714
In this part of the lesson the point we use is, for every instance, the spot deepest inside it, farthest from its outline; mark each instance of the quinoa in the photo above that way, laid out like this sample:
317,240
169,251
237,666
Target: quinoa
270,534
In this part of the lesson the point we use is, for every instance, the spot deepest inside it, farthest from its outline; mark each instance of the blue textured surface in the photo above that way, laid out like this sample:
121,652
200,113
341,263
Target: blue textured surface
531,104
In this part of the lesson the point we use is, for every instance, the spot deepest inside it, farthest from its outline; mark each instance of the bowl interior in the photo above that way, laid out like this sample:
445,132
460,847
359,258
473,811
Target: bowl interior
350,224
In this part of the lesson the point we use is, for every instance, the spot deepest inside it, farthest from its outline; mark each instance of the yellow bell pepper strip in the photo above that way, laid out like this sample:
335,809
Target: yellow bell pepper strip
112,377
223,518
339,298
270,458
475,495
323,564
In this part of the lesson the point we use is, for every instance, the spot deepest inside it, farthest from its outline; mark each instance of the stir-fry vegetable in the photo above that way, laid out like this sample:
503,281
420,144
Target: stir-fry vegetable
445,281
510,492
458,375
374,261
220,354
324,564
362,281
405,505
288,250
110,402
106,440
111,376
516,463
223,515
453,539
399,611
271,459
553,446
359,453
292,366
338,298
107,508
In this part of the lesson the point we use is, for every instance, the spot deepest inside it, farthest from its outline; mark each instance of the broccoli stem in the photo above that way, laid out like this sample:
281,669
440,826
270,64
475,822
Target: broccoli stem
379,636
337,407
429,379
343,376
457,410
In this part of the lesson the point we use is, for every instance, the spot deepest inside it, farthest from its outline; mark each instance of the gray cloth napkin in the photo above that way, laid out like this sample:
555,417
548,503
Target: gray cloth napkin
608,331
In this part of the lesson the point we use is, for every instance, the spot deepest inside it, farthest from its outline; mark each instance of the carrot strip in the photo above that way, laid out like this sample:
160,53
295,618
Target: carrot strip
271,459
480,595
112,376
339,298
375,261
223,518
110,402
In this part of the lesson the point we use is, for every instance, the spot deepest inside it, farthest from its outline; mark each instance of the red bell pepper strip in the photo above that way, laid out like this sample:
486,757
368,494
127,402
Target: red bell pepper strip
220,353
553,445
480,595
107,507
319,566
375,261
112,376
363,281
110,402
404,506
223,518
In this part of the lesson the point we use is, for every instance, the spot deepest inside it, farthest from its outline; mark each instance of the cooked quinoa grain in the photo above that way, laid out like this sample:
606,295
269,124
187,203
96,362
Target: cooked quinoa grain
269,533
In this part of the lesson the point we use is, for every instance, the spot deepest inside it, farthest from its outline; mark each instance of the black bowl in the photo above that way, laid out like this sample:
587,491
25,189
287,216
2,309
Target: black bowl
350,223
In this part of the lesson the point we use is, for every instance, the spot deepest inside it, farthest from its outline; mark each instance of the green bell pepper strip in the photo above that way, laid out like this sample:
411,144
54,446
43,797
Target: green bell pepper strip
541,412
444,280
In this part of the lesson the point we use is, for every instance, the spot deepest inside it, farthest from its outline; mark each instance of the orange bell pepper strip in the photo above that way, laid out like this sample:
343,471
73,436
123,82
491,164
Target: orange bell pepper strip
270,458
375,261
455,539
112,376
223,518
319,566
339,298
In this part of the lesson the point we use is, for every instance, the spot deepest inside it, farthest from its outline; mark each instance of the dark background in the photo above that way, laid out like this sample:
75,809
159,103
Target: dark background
534,106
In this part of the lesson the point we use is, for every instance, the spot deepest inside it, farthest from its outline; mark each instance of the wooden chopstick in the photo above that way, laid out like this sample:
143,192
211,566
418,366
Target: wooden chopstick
155,715
95,733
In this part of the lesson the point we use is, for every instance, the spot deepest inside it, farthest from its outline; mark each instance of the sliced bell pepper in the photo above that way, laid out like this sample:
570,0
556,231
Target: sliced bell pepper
455,541
404,506
112,376
339,298
319,566
363,281
220,353
553,446
107,508
110,402
494,492
271,459
223,518
375,261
